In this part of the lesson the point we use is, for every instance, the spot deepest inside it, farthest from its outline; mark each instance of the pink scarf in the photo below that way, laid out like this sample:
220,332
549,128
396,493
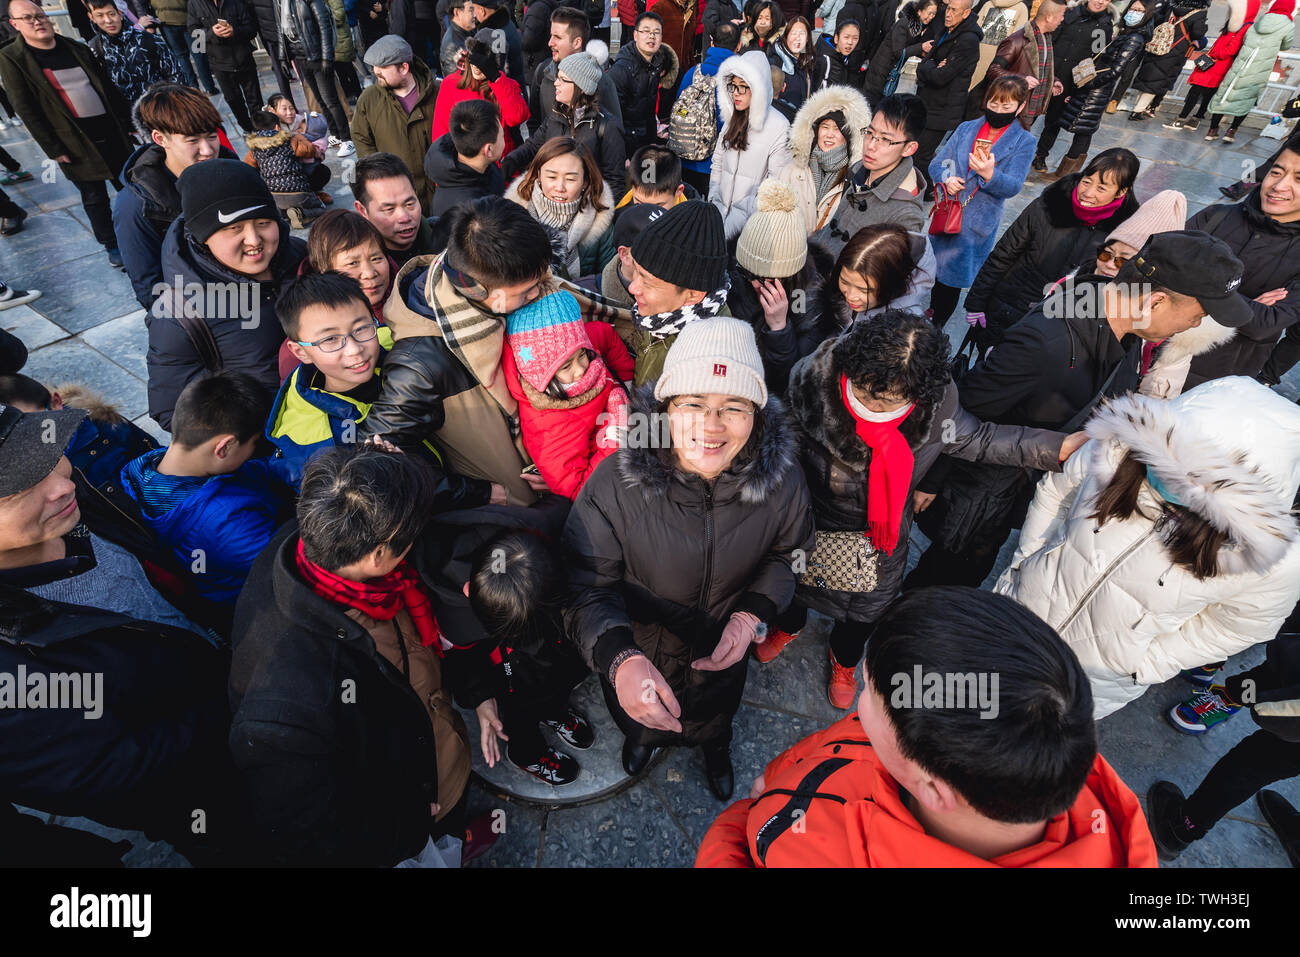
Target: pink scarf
1092,215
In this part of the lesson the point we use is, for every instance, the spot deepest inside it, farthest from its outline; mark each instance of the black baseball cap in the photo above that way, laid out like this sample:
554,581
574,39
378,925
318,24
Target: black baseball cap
632,220
31,444
1197,264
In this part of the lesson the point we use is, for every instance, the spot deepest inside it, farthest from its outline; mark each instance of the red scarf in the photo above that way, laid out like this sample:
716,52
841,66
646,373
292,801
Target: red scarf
889,477
380,598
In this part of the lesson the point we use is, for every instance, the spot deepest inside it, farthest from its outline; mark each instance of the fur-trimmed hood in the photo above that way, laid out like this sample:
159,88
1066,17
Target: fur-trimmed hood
829,98
1228,450
75,395
267,140
1191,342
818,406
753,479
752,67
588,226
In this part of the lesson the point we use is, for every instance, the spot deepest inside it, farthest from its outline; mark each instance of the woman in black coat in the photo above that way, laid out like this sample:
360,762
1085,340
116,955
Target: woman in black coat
795,64
682,545
1157,74
1115,66
1056,232
876,407
906,36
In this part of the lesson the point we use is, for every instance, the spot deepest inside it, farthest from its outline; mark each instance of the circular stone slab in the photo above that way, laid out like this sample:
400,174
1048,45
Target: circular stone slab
602,773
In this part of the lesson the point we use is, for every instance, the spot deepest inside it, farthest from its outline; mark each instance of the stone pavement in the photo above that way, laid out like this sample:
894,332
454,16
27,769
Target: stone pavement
87,327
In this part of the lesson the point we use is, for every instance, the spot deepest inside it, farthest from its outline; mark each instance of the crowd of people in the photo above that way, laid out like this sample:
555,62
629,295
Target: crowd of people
615,369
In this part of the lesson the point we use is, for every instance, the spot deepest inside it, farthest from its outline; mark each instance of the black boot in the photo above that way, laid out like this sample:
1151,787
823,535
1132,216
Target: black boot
1040,164
1284,820
636,757
717,770
1165,816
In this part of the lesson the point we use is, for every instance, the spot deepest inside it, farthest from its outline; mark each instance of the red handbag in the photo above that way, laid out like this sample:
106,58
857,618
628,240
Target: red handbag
945,220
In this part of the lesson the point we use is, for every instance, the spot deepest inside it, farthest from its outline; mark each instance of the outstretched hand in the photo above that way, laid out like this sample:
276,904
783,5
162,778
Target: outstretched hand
740,632
645,696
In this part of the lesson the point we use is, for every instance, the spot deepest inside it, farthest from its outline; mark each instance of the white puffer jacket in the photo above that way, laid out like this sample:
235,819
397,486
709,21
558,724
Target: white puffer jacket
803,137
735,176
1230,451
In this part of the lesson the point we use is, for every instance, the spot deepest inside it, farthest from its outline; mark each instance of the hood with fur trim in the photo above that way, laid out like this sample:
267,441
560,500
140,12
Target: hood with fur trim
588,226
1191,342
755,475
1229,450
75,395
268,139
848,101
754,69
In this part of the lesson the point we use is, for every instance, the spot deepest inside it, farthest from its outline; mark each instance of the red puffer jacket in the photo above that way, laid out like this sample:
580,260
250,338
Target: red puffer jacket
565,437
1225,50
511,103
828,802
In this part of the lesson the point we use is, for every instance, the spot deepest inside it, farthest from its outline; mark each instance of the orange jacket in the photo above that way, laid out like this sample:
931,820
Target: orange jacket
852,816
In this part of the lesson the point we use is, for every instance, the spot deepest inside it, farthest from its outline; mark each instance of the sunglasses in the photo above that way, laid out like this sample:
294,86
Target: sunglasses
1105,256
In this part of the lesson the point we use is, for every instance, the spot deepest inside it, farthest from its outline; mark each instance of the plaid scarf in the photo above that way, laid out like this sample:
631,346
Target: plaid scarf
474,334
664,324
380,598
1040,94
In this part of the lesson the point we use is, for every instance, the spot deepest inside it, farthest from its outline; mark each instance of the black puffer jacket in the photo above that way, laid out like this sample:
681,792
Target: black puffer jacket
1156,74
732,544
829,67
1080,33
943,89
453,181
264,13
1044,243
313,29
639,84
1270,253
155,753
1051,367
809,319
837,465
234,52
600,133
905,36
218,297
1085,108
535,31
334,780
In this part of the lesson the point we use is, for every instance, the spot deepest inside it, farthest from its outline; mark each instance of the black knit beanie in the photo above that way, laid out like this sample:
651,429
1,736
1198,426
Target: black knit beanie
687,247
219,192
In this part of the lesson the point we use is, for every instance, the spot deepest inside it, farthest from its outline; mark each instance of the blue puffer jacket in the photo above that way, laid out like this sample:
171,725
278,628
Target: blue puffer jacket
225,523
304,420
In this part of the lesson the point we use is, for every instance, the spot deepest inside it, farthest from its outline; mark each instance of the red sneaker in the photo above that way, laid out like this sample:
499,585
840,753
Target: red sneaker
766,650
843,688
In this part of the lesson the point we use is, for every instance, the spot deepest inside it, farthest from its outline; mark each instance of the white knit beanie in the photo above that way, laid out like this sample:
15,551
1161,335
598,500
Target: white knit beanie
717,356
1164,212
773,243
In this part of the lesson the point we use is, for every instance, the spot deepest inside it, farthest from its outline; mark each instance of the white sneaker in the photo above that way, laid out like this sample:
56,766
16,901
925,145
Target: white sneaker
16,297
347,149
333,142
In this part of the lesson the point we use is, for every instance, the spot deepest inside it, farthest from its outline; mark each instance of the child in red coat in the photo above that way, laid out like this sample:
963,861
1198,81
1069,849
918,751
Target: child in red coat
565,374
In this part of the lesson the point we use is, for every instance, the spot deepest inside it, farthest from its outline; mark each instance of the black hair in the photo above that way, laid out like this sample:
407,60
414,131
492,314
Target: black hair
496,242
24,389
97,4
1122,164
727,36
473,125
903,111
636,24
330,289
1024,764
755,7
517,589
223,403
265,120
377,166
656,169
850,22
899,352
555,389
356,498
575,20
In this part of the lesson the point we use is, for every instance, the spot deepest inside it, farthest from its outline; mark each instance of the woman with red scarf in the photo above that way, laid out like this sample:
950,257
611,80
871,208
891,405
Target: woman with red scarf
876,408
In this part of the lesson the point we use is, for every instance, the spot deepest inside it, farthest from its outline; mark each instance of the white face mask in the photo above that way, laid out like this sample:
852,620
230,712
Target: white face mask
866,415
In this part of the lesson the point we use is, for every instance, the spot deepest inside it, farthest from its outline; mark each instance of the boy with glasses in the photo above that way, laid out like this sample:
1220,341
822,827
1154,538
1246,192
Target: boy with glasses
883,187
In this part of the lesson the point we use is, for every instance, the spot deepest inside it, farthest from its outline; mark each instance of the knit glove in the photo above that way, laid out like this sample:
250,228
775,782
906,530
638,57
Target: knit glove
614,420
482,57
977,319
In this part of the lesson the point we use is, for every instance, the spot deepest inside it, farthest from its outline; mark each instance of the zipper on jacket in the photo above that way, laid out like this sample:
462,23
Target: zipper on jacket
708,547
1092,589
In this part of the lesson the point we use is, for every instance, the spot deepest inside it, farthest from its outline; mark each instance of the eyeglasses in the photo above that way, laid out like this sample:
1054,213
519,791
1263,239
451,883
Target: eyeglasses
1105,256
650,33
335,343
33,19
868,136
737,88
728,414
